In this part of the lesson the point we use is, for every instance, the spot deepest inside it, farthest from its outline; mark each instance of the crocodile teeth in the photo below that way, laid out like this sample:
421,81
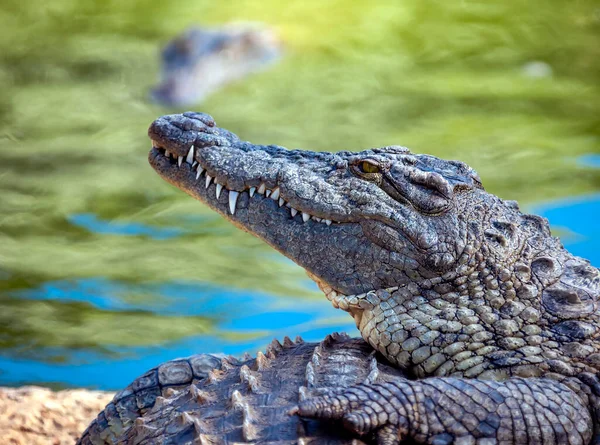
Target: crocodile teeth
194,164
167,154
190,156
233,196
179,160
274,194
331,294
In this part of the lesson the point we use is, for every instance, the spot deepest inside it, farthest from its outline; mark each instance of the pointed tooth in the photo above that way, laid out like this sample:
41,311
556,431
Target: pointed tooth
208,179
262,189
327,221
167,154
316,219
179,160
233,196
251,191
281,202
305,216
194,164
219,188
293,211
199,172
268,193
288,205
275,194
190,156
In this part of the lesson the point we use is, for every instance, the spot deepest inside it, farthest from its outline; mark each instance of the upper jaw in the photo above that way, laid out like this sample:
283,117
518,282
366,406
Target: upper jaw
178,132
208,162
189,174
192,153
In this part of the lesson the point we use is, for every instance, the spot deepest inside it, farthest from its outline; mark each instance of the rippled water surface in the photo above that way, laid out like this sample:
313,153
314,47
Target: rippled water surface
106,270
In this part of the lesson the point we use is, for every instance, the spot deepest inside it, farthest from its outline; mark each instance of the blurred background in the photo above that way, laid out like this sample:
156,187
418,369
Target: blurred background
106,270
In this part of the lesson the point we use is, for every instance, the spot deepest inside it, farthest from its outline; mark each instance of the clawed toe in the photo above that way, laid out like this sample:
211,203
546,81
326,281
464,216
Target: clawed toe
362,410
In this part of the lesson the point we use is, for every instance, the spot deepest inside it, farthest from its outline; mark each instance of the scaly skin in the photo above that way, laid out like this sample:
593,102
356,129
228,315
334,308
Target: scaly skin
201,60
445,280
146,392
244,401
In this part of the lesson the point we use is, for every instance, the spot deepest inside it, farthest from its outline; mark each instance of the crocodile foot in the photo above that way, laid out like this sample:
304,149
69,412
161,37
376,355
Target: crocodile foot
440,411
363,410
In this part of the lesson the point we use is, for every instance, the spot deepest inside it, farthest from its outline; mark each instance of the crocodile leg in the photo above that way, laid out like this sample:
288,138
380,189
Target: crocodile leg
462,411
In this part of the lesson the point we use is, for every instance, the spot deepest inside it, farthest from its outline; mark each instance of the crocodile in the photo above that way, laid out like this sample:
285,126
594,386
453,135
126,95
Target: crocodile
477,325
201,60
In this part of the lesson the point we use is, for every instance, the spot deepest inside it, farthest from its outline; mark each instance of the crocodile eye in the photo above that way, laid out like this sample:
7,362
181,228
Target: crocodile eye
369,170
368,167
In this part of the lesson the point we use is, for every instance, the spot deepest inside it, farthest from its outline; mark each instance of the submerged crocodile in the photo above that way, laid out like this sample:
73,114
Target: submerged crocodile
202,60
478,326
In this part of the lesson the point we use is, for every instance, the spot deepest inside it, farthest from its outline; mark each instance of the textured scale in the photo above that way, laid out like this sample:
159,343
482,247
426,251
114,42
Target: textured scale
444,411
152,389
250,403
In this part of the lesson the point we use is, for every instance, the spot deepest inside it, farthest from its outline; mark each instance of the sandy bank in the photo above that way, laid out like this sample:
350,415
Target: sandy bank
38,416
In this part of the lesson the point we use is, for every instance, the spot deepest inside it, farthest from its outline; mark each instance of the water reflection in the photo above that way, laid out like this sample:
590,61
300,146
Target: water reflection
591,160
95,224
575,220
106,270
239,321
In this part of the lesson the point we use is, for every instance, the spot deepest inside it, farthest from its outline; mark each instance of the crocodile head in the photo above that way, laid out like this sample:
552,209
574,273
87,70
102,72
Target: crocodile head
355,221
201,60
423,258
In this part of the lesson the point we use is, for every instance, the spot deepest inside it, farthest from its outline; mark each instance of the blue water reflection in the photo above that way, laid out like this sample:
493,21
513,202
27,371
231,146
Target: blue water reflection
576,220
245,321
591,160
95,371
94,224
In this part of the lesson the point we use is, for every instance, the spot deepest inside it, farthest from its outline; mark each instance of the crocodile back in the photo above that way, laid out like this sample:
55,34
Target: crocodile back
250,400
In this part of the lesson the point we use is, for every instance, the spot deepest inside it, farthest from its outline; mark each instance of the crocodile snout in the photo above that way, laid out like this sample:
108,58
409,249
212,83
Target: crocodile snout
176,133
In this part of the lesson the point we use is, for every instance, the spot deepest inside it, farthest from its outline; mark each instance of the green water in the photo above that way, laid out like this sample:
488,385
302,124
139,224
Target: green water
79,202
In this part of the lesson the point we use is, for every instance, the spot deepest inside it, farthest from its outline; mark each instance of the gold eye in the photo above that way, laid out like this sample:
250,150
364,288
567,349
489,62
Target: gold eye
368,167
